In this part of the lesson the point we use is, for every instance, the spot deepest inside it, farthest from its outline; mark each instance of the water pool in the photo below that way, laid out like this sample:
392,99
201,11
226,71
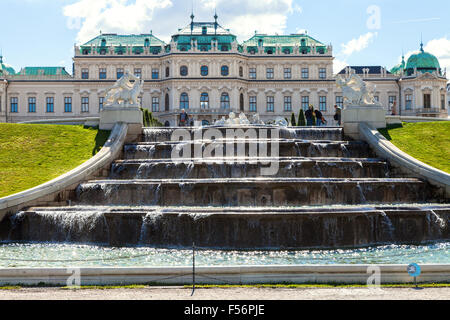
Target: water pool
43,255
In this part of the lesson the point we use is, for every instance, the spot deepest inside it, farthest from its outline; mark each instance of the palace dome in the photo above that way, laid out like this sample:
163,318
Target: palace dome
6,69
423,61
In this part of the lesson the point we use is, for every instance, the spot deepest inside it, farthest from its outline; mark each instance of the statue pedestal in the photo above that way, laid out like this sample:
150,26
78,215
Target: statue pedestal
110,115
352,116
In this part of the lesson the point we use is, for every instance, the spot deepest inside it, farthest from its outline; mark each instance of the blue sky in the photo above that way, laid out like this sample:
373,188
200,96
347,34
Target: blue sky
374,32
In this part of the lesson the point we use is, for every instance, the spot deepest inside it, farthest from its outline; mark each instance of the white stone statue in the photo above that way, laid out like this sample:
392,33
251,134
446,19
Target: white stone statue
124,93
281,122
256,120
356,92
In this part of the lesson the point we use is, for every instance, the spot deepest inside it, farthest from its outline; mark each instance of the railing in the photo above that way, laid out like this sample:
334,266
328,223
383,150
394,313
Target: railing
428,111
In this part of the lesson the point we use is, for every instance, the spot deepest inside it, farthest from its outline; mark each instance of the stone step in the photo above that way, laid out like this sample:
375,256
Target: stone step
306,133
252,192
251,168
219,149
232,228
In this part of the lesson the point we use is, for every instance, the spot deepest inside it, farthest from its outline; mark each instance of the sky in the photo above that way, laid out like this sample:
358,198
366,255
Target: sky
374,32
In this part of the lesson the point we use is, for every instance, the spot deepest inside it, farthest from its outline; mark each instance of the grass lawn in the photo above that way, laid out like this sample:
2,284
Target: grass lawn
428,142
31,154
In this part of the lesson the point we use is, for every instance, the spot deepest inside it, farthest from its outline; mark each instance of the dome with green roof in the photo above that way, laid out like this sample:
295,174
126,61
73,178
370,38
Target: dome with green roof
400,68
423,62
5,69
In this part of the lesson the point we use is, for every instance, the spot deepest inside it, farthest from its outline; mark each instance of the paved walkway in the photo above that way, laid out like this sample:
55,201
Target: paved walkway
179,293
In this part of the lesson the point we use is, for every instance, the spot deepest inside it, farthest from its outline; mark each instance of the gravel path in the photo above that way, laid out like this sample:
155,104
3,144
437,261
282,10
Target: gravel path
178,293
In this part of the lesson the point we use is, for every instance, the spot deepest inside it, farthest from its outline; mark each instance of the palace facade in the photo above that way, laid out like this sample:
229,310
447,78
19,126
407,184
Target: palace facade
207,72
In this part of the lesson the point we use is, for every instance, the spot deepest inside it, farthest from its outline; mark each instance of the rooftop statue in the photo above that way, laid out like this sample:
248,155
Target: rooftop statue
124,93
356,92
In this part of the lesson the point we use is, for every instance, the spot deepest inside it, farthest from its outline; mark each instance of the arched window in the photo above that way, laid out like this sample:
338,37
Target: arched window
224,71
204,71
167,72
287,51
225,101
204,101
167,102
183,71
147,43
103,42
241,71
241,102
269,51
167,124
184,101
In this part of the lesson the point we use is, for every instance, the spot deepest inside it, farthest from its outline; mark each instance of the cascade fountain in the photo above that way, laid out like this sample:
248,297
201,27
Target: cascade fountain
328,193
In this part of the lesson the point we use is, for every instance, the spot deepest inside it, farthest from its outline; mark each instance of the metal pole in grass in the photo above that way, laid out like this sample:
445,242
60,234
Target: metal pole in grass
193,269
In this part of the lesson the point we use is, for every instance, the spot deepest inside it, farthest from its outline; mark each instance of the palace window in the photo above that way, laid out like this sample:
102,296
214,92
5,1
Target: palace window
288,103
184,101
155,104
68,104
50,104
85,104
167,72
287,73
224,71
305,73
252,73
340,101
322,73
167,102
204,71
147,42
204,101
241,72
32,104
252,103
183,71
14,105
269,73
241,102
204,30
287,51
305,103
442,101
427,101
84,73
392,102
323,103
155,74
376,98
102,73
119,73
138,72
224,48
101,102
225,101
408,102
270,103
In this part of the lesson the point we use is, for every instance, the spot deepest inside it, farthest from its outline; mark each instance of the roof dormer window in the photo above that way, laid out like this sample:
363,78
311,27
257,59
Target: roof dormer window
147,43
204,30
103,42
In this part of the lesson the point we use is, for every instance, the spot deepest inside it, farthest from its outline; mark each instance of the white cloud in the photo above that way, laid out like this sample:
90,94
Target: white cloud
111,16
243,17
356,45
441,49
338,65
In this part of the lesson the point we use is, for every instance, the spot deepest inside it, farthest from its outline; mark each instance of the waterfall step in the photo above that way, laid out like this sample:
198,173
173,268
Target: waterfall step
251,168
285,148
232,228
252,191
310,133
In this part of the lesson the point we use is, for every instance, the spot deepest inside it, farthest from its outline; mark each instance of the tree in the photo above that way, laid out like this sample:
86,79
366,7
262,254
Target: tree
301,119
293,123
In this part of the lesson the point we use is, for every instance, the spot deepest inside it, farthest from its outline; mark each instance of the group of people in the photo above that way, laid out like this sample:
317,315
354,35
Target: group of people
187,120
310,114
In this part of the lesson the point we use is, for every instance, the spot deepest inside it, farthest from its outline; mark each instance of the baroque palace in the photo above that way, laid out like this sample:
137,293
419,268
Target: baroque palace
207,72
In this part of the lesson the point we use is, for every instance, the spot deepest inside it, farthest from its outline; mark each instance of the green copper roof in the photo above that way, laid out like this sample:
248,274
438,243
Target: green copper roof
112,39
399,68
423,61
287,42
43,71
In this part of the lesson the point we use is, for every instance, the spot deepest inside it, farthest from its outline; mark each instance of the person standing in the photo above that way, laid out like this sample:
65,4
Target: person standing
184,118
319,118
309,116
338,115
